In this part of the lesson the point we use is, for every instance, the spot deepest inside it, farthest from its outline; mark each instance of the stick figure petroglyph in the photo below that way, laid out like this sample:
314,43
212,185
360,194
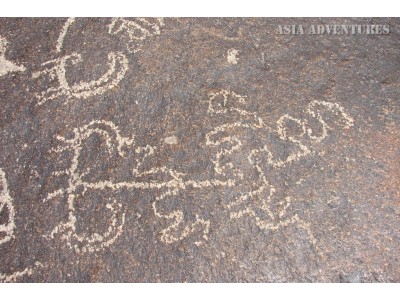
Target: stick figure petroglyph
77,187
7,66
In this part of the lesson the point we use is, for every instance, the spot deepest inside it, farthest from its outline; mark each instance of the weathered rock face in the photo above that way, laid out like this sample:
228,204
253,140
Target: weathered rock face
199,150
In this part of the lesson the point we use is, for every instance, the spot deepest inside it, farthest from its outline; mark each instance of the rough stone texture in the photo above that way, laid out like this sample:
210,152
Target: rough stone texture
218,152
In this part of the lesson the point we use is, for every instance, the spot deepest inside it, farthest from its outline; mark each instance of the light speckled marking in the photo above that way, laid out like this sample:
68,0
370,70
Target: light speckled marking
64,30
7,66
232,56
171,140
6,201
16,275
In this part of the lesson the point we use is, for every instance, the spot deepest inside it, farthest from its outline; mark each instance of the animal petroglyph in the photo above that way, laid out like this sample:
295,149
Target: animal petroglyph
56,70
259,202
227,102
79,184
6,208
7,66
136,31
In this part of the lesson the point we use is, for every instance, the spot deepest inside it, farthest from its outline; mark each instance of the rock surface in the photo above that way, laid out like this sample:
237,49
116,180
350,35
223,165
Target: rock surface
198,150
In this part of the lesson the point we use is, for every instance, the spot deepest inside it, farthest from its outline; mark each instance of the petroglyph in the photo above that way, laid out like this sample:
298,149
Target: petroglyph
7,66
258,200
334,108
6,208
135,31
227,102
83,242
268,212
7,229
259,203
79,183
275,213
64,30
56,71
178,227
19,274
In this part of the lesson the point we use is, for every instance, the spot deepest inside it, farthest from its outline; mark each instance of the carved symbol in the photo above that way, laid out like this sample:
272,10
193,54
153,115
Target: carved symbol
117,67
56,70
136,31
259,203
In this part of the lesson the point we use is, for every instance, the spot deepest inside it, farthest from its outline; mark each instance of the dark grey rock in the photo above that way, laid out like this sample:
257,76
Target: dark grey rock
198,150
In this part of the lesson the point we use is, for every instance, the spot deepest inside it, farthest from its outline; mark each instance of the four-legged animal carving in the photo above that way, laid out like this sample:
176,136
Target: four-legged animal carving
257,201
